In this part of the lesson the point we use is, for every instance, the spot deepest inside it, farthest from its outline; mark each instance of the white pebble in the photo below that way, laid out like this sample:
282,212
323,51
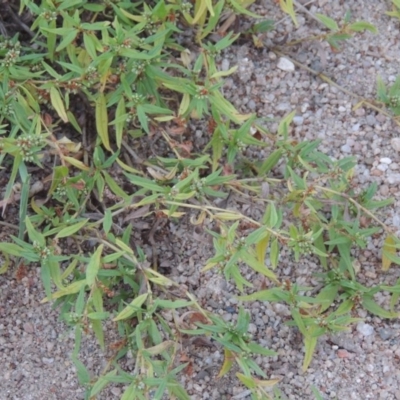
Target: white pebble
365,329
396,220
285,65
346,148
395,142
225,64
385,160
298,120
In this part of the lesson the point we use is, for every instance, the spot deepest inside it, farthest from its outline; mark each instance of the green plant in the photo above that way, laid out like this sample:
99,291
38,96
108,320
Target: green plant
112,73
389,96
396,9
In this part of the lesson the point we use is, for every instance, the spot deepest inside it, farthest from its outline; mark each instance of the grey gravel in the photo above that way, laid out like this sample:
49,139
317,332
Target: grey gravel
385,333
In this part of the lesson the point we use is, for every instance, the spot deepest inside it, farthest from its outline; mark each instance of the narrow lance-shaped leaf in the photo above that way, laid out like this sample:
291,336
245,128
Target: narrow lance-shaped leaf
227,364
70,230
119,126
328,22
131,308
387,250
94,266
102,121
58,104
274,253
287,7
309,344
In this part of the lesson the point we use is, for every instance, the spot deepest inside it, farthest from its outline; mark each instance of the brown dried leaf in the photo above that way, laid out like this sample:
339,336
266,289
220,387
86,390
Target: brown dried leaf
138,213
197,317
202,341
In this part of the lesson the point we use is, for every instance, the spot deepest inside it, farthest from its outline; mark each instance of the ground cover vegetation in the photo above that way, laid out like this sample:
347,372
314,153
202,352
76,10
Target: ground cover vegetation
80,82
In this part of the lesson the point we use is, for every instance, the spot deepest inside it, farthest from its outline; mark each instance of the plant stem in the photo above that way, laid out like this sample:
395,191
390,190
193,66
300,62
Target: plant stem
359,206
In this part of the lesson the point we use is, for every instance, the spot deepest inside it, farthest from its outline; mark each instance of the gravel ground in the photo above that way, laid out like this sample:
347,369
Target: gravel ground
359,364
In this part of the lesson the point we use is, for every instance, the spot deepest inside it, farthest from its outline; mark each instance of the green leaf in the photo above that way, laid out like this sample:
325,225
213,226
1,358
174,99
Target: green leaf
107,223
70,230
11,249
309,344
83,373
131,308
90,45
227,364
262,246
114,186
98,315
102,382
73,121
94,266
241,10
256,348
363,26
58,104
23,204
381,89
132,392
264,26
369,304
248,381
263,295
145,183
143,119
102,120
119,126
98,331
388,250
328,22
68,38
327,295
270,162
258,266
299,321
274,253
317,394
73,288
45,275
283,128
170,304
287,7
34,235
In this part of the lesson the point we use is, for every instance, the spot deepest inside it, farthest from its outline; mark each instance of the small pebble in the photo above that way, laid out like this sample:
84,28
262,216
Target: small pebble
384,190
385,160
382,167
225,64
285,65
342,353
346,148
371,120
298,120
360,112
385,333
116,391
365,329
393,179
395,142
